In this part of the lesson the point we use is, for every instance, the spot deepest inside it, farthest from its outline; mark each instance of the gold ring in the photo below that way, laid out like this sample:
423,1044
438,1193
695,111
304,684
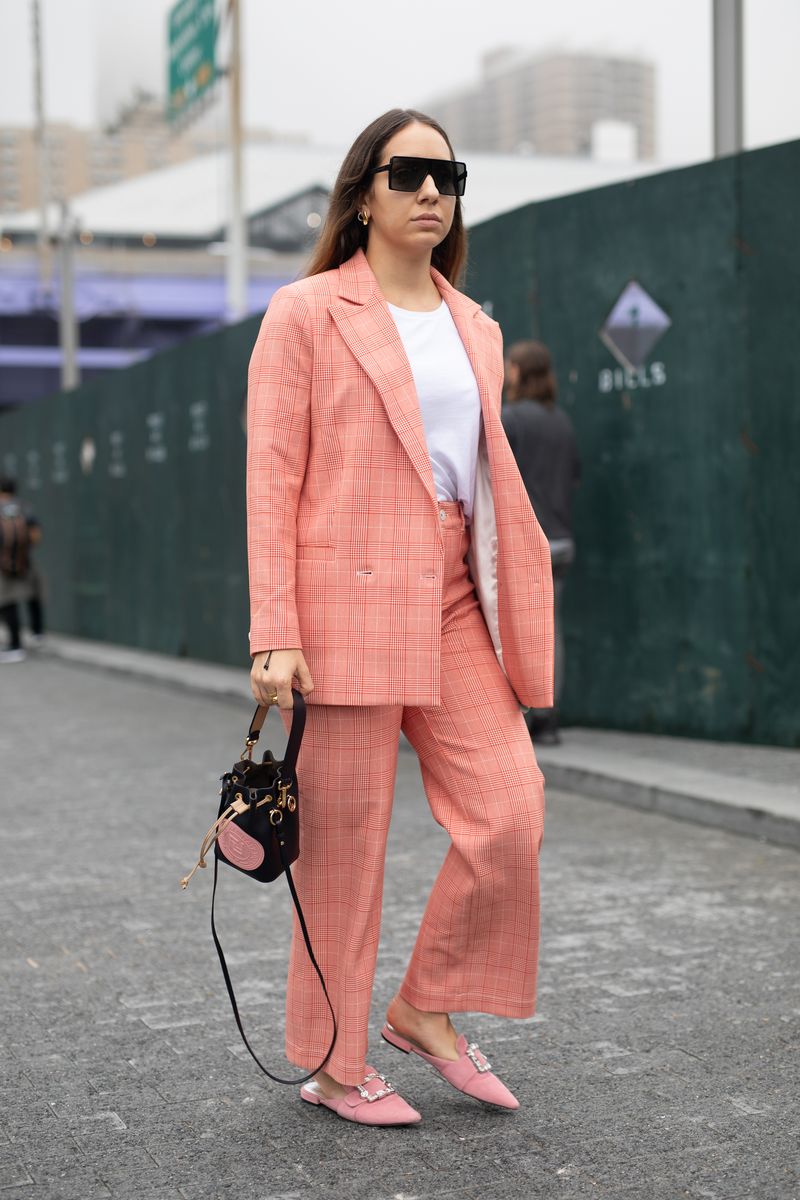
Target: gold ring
273,699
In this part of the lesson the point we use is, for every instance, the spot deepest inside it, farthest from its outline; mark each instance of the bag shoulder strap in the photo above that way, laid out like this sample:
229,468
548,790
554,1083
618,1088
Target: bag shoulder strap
229,985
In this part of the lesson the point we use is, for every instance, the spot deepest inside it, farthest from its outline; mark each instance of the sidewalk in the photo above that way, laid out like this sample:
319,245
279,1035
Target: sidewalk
751,790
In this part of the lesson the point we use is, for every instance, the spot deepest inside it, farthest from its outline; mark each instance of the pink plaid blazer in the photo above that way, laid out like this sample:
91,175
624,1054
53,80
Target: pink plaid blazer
345,550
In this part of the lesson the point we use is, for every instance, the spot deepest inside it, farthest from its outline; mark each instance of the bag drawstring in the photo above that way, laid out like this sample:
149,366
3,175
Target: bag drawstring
233,810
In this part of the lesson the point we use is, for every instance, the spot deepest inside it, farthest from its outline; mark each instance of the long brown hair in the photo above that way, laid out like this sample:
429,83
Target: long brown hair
342,233
537,380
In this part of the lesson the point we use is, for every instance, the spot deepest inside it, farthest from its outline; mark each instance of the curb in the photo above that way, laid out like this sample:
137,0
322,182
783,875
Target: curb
178,674
761,821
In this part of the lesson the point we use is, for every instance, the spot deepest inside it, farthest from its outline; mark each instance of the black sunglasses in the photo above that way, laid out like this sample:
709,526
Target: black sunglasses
407,174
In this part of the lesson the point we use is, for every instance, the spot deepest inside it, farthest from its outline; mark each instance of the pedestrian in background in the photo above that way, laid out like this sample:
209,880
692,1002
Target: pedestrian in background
399,579
19,583
35,604
543,441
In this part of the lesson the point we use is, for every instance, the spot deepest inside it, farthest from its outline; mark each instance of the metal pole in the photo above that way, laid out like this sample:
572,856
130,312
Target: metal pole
236,265
43,237
728,77
67,324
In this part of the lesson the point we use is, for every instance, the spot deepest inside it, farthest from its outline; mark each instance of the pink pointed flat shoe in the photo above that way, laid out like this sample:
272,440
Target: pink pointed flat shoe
470,1073
373,1102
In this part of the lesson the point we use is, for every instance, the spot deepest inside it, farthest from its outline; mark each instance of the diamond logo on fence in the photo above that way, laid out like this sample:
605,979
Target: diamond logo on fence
634,326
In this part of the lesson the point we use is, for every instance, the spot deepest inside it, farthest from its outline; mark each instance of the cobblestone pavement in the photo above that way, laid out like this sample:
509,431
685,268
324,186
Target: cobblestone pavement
662,1063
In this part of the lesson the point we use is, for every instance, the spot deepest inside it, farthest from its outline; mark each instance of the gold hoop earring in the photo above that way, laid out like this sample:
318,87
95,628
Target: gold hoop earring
363,217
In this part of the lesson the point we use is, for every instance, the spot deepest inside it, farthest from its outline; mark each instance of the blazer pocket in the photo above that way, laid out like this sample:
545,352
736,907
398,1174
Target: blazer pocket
315,554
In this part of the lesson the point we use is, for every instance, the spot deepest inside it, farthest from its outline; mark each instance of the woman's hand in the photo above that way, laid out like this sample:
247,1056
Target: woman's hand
277,671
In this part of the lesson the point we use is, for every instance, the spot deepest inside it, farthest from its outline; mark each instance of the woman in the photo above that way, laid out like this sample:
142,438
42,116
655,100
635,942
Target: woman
399,579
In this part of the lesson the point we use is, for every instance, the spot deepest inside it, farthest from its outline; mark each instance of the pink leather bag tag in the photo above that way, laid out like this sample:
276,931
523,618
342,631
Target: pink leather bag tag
240,849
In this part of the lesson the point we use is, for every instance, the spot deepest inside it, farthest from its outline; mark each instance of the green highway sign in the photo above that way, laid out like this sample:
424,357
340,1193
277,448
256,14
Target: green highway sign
191,55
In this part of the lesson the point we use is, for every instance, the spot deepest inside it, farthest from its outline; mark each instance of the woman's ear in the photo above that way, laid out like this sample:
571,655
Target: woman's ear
363,211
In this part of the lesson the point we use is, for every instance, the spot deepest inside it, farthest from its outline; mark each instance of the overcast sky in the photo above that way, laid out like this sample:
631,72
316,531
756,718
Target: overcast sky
327,67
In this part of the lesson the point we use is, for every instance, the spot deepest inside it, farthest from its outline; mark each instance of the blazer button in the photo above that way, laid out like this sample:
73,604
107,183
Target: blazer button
442,515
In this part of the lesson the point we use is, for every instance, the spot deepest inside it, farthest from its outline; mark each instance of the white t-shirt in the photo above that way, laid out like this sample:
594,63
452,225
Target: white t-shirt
448,398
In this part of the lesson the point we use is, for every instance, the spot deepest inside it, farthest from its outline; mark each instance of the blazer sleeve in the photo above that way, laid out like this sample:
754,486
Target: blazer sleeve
278,432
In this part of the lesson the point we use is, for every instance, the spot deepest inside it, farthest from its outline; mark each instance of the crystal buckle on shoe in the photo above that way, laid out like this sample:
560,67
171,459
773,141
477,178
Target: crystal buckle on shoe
472,1054
384,1091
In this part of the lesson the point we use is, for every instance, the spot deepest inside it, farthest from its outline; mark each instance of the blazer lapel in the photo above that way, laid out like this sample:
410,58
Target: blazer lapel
477,343
370,334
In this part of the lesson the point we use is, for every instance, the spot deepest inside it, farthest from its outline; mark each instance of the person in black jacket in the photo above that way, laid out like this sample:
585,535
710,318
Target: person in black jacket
543,441
19,582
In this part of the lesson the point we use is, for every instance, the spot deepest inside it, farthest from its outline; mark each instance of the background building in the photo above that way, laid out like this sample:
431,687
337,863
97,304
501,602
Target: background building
554,104
140,139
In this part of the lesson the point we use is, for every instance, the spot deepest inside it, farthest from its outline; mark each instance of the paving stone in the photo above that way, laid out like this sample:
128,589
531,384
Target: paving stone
151,1190
269,1181
68,1182
132,1167
13,1175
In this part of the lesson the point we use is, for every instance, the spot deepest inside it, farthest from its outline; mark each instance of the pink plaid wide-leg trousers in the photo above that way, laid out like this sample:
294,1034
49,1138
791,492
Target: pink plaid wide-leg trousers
477,945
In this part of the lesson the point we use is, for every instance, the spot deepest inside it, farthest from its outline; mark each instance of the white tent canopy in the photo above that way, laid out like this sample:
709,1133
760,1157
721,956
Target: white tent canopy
190,200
